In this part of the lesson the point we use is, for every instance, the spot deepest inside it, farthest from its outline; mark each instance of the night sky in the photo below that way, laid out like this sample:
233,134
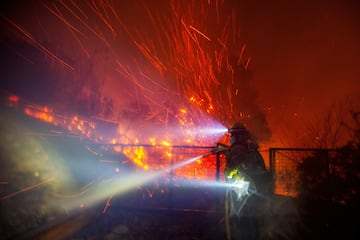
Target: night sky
304,54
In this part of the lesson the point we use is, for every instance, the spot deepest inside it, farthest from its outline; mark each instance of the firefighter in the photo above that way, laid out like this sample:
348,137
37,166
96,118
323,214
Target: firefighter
243,153
244,163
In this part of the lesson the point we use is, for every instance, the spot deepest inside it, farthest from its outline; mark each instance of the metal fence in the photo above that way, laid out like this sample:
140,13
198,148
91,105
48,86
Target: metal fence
285,163
198,162
188,180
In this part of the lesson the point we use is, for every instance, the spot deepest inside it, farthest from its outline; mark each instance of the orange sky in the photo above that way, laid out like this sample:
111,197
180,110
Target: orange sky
305,55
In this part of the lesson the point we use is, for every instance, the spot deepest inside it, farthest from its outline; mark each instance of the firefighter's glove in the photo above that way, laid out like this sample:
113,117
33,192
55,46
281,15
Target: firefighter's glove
234,175
220,148
239,183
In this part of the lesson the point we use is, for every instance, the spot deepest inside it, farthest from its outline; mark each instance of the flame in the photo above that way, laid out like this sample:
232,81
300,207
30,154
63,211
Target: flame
138,156
85,128
39,115
166,143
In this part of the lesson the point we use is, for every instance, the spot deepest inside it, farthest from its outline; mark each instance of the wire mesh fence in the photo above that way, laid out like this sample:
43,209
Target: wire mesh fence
285,164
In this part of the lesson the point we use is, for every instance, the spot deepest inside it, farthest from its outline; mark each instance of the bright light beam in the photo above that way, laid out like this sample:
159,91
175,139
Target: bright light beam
242,187
208,134
120,185
213,130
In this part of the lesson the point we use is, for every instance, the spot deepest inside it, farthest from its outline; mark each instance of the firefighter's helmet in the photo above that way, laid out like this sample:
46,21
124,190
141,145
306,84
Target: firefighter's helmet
237,128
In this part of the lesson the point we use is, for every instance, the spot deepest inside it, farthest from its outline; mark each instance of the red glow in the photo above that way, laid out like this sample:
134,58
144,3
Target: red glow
13,99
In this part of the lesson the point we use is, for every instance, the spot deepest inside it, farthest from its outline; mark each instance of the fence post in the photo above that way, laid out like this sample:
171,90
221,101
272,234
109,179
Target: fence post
272,152
218,167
